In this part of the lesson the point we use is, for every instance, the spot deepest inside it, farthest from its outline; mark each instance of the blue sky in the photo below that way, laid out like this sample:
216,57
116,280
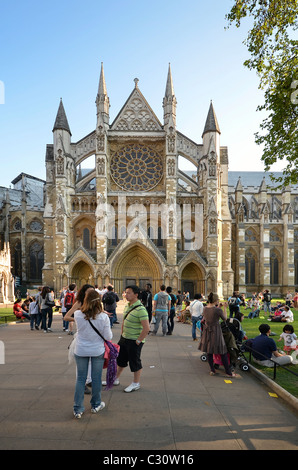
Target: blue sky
54,49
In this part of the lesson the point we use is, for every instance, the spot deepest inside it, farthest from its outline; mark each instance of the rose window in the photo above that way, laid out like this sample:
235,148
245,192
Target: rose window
136,168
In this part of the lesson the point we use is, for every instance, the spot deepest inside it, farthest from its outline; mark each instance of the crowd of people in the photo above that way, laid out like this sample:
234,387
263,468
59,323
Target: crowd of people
144,310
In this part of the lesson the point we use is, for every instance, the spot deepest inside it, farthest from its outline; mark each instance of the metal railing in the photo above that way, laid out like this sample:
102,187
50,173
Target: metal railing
275,364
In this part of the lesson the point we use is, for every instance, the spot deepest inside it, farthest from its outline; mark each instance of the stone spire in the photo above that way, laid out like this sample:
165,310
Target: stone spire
102,99
211,124
169,101
61,119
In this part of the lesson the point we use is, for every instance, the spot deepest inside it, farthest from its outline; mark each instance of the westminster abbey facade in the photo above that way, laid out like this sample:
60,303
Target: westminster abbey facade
132,215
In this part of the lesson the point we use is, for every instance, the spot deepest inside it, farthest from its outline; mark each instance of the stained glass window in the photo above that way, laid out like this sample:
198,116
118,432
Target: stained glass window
136,168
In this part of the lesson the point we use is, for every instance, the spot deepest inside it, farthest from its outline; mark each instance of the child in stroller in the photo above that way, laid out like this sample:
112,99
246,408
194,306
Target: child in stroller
233,336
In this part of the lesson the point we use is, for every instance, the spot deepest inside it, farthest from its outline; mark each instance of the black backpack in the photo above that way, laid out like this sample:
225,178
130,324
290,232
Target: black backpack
108,298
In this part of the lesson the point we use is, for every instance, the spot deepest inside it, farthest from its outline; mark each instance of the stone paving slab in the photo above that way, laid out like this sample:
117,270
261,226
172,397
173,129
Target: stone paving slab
178,408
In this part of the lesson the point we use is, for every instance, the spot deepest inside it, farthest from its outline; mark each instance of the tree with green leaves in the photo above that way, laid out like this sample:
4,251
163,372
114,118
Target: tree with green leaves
273,49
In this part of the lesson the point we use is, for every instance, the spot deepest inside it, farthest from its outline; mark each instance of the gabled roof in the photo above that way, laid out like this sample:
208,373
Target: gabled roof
136,114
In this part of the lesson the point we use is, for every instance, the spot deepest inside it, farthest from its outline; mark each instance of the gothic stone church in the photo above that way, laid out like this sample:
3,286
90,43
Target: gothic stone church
134,216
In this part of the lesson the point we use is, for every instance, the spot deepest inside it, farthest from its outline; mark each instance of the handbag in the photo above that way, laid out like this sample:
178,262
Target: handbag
71,349
49,303
110,357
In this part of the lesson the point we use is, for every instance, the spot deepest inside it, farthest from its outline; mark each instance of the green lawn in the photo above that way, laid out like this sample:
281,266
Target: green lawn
283,378
6,312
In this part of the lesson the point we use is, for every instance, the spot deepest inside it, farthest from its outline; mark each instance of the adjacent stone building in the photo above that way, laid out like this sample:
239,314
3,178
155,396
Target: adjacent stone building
134,216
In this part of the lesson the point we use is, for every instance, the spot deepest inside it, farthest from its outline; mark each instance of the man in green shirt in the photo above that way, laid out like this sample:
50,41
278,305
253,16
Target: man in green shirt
135,328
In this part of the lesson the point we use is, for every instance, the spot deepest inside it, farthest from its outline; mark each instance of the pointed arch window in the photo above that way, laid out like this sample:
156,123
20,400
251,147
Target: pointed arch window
17,259
151,233
188,240
114,236
274,268
36,260
275,236
250,235
159,237
86,238
296,268
250,268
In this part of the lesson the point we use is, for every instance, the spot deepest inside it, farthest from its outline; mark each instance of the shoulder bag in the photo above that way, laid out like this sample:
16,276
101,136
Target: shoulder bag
48,302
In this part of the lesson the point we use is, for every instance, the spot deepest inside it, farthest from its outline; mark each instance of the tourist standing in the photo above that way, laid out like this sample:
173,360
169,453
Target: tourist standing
196,309
161,307
109,300
267,301
212,340
34,313
69,300
146,298
46,304
135,329
172,311
234,305
89,348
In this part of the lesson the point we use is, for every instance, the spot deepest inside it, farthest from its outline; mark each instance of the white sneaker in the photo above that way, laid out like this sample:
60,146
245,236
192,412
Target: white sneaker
98,408
132,387
77,415
116,382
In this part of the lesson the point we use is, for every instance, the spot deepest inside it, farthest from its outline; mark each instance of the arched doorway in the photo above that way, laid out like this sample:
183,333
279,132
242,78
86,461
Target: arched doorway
81,274
192,280
137,266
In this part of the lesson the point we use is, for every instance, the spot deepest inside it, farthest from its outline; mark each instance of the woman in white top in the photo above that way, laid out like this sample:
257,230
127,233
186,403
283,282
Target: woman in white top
89,345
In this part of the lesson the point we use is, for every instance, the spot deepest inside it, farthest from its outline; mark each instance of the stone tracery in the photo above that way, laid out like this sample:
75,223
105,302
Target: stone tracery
136,168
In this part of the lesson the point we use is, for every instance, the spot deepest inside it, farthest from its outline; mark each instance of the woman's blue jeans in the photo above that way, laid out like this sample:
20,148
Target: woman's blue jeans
46,313
194,327
82,372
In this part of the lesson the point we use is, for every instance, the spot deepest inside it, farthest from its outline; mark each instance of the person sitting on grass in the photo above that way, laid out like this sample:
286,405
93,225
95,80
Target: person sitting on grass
255,312
289,338
19,312
264,349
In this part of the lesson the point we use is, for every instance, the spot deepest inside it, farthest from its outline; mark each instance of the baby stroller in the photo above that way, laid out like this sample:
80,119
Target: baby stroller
233,336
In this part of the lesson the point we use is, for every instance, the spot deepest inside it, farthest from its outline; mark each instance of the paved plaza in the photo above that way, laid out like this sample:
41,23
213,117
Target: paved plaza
178,408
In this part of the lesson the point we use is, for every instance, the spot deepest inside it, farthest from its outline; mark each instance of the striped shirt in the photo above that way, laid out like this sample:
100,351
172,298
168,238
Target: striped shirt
132,325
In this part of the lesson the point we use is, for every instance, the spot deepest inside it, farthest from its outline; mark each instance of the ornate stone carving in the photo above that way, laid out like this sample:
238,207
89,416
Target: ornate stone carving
137,116
100,139
60,163
136,168
101,166
171,167
171,138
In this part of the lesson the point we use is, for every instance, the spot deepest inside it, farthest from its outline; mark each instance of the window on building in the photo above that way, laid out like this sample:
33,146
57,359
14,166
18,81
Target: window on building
275,236
250,235
274,268
296,268
250,268
114,236
36,260
17,260
151,233
188,240
86,239
159,237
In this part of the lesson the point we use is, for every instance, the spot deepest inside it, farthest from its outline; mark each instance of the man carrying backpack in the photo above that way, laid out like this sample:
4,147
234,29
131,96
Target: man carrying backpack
234,305
267,301
109,300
